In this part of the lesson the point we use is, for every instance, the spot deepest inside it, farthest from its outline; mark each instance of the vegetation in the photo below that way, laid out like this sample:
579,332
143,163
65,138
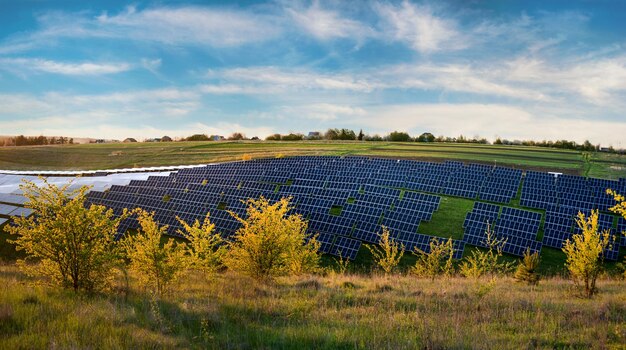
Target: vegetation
156,265
527,269
388,253
229,311
486,262
437,262
271,242
398,136
206,247
69,244
584,253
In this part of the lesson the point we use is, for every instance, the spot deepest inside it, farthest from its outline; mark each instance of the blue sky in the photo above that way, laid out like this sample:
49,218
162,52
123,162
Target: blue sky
514,69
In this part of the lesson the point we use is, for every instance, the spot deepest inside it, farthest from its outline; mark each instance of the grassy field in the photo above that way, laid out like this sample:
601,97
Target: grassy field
110,156
326,312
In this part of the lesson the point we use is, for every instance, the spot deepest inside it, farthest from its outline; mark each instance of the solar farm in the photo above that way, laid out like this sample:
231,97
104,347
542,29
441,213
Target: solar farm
347,200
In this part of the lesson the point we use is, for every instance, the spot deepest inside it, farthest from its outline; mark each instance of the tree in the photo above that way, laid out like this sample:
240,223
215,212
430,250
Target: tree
157,265
166,139
397,136
426,137
388,253
271,242
237,136
437,262
618,208
198,137
293,137
72,244
206,247
361,135
482,263
275,137
527,269
584,252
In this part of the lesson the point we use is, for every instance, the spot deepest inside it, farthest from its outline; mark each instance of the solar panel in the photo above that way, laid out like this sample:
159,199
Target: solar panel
346,247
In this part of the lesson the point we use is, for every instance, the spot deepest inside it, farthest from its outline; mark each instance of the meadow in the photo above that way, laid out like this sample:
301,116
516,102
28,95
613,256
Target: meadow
332,311
129,155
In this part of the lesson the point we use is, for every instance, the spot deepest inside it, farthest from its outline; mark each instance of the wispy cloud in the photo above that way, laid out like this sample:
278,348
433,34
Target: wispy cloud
420,27
325,24
65,68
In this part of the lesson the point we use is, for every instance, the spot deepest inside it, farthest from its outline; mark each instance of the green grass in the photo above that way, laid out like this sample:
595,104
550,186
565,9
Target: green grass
110,156
227,311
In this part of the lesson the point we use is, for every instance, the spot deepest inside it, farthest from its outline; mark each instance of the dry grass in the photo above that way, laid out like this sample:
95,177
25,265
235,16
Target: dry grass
336,311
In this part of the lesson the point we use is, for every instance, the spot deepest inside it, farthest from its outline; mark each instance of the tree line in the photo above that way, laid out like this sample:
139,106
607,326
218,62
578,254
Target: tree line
22,140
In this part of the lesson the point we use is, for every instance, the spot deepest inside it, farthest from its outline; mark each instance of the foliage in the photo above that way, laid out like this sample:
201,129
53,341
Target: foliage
198,137
271,242
342,263
388,253
340,134
426,137
274,137
398,136
486,262
437,262
237,136
527,269
584,253
619,208
246,157
73,245
292,137
206,247
157,265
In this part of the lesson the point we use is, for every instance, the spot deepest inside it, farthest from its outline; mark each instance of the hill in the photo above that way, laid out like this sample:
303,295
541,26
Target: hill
110,156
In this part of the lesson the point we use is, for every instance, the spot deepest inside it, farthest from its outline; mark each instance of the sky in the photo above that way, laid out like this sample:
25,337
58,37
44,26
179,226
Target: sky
493,68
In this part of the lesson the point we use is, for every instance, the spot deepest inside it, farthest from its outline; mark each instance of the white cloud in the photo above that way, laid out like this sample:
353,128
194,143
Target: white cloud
64,68
325,24
288,79
321,111
175,26
488,120
420,27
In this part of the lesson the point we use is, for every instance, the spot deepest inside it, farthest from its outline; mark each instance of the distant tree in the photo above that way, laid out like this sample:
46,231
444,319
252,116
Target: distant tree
584,253
293,137
340,134
498,141
397,136
275,137
426,137
130,140
375,138
254,138
64,240
237,136
271,242
361,135
71,141
198,137
166,139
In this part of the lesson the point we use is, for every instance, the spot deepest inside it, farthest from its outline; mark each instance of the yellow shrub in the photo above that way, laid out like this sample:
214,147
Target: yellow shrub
388,253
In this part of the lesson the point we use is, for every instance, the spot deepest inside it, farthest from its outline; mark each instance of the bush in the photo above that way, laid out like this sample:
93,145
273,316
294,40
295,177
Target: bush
584,253
482,263
272,243
198,137
527,268
206,247
275,137
619,208
72,244
437,262
388,253
157,265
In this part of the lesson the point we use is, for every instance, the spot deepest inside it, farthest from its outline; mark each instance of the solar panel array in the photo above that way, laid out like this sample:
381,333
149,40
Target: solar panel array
560,225
367,193
517,228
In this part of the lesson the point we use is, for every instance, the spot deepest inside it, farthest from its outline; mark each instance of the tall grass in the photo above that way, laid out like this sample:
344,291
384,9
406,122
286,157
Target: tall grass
227,311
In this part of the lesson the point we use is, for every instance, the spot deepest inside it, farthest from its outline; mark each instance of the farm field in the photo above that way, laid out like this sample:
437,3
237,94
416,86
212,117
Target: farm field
325,312
110,156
